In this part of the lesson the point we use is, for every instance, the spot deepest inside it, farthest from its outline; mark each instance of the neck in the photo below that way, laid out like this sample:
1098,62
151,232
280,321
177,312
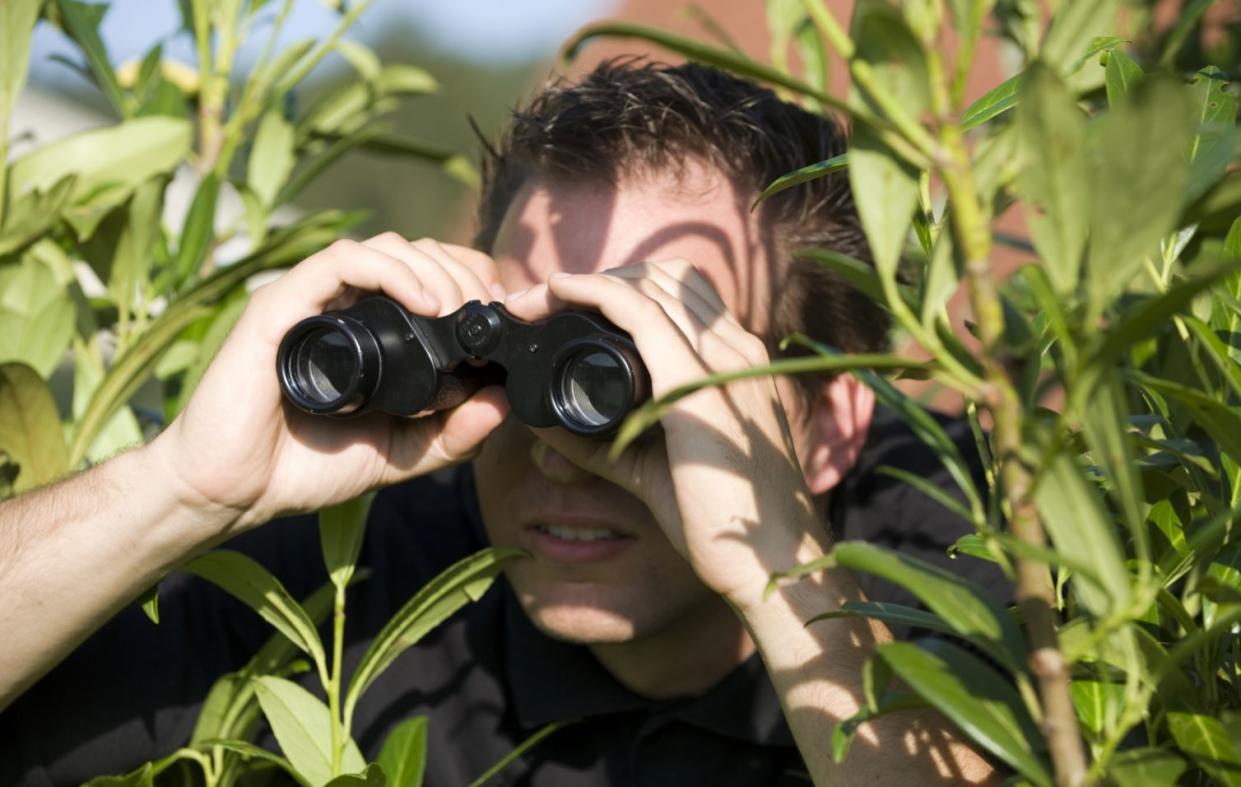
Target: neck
657,665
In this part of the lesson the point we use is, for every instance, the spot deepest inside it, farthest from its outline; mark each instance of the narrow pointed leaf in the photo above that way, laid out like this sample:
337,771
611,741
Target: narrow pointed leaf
462,582
804,175
373,776
973,613
1140,167
1147,767
1122,73
271,157
1078,525
1052,137
993,103
976,698
893,614
244,578
17,20
517,752
341,530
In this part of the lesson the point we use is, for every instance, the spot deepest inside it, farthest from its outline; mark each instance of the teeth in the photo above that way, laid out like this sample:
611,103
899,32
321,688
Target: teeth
577,534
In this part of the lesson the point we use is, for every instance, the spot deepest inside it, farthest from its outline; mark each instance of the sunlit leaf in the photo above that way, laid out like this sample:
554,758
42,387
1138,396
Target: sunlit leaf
1122,73
1147,767
463,582
1052,135
993,103
1140,168
303,728
1206,741
271,157
30,432
404,753
245,579
805,174
976,698
341,529
36,314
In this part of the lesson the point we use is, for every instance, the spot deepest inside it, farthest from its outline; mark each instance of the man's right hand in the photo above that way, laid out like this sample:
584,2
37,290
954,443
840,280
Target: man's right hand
241,455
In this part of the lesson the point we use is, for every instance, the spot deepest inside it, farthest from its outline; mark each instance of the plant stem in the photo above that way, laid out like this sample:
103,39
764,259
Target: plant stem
1035,594
333,687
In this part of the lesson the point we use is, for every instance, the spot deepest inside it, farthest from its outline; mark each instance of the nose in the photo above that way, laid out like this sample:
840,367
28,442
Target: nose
555,466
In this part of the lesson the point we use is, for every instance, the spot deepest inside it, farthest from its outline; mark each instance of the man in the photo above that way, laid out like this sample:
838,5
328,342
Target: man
639,619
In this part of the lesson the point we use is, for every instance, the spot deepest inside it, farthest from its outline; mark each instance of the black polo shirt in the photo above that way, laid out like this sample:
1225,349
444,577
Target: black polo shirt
486,678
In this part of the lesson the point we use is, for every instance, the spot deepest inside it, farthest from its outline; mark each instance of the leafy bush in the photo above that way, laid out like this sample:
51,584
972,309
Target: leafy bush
1107,370
166,299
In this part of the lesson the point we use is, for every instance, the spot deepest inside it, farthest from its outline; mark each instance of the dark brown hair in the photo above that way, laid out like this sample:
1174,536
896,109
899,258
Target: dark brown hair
629,116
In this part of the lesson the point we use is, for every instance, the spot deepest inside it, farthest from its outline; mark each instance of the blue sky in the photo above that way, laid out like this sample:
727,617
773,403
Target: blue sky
494,31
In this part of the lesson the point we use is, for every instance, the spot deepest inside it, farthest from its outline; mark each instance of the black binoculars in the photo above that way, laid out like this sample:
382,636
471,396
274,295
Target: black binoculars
575,369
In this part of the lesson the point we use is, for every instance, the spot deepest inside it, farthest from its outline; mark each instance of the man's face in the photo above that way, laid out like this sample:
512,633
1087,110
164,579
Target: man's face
631,583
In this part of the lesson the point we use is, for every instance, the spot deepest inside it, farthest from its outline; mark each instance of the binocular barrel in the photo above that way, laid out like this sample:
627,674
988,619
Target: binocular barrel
574,370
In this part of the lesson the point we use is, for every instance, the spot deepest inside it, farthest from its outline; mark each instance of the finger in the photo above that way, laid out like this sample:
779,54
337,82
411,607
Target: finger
309,287
479,288
482,264
712,315
422,445
435,276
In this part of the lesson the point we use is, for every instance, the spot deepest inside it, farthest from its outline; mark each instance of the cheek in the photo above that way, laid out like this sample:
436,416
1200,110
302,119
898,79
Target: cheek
498,469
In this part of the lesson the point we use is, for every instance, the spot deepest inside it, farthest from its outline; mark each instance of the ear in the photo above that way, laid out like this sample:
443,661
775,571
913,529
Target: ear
836,430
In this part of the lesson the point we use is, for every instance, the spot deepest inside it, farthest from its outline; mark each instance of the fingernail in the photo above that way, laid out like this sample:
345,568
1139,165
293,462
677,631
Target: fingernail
558,275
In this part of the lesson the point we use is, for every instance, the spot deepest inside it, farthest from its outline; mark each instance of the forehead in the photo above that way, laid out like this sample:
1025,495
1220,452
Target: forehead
696,214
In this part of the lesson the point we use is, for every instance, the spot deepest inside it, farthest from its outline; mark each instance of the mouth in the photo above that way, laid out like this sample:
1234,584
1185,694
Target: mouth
577,543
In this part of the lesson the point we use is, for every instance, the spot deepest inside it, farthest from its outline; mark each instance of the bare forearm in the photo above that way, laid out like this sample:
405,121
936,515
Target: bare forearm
72,554
817,672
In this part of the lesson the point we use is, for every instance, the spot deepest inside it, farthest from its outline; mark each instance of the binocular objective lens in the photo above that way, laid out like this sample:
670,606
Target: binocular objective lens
595,388
325,363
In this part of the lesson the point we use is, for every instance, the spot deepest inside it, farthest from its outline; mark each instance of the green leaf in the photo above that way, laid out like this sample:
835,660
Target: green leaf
943,273
149,601
893,614
993,103
247,580
1073,27
221,324
142,777
1097,701
1219,420
133,257
1052,137
271,157
1121,74
33,215
1217,139
30,433
81,23
361,57
973,613
303,728
404,753
1208,743
805,174
885,189
1147,767
17,19
648,414
1140,158
341,528
198,232
895,55
463,582
976,698
249,751
1078,525
119,157
36,315
1219,353
373,776
860,275
928,488
1105,429
512,756
230,707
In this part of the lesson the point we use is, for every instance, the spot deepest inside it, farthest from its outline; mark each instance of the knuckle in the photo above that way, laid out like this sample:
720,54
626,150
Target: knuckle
342,247
390,237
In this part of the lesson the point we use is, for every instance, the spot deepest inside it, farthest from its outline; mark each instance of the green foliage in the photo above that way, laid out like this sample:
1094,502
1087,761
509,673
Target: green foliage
1108,370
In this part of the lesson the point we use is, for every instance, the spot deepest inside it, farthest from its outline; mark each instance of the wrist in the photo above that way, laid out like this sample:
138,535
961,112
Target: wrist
191,521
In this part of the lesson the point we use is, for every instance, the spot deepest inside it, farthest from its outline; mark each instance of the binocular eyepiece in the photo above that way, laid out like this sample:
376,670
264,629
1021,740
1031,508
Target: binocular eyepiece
575,369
